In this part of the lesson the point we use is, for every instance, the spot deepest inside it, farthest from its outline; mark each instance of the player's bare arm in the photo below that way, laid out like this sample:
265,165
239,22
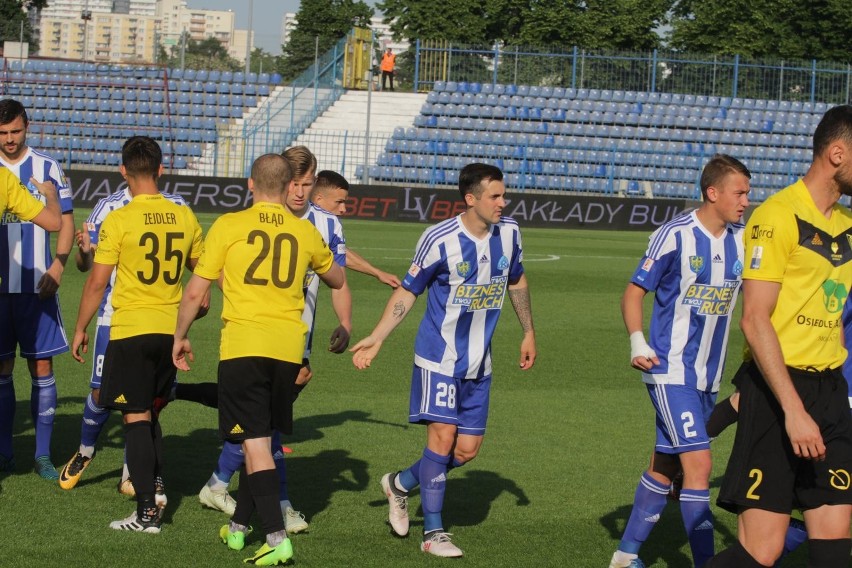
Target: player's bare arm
359,264
642,357
93,292
759,299
85,255
197,289
49,283
397,308
519,295
341,302
49,218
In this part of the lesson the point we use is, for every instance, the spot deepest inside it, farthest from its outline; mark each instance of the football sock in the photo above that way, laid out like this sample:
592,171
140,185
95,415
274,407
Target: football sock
648,502
409,478
202,393
828,553
230,460
157,437
734,557
723,415
94,418
7,414
43,409
245,501
433,473
280,466
263,485
698,521
139,452
796,535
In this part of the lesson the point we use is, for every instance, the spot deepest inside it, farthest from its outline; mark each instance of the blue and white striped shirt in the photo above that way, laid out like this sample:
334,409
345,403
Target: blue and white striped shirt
25,247
696,279
467,279
331,230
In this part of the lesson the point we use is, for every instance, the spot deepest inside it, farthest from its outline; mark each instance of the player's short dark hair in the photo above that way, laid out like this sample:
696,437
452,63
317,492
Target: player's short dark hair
472,175
271,173
141,156
835,124
302,161
10,109
328,180
717,168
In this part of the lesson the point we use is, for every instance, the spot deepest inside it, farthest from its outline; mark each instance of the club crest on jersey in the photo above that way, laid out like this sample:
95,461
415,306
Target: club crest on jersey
696,264
738,268
503,263
463,268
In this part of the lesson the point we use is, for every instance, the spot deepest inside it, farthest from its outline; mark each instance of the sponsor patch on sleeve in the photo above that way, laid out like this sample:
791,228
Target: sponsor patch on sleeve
756,256
414,271
646,266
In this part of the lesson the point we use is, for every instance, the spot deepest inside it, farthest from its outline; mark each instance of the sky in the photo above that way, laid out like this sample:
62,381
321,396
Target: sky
266,20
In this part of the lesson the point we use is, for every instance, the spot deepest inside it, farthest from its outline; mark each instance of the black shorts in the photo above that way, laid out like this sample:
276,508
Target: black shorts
255,397
763,472
137,370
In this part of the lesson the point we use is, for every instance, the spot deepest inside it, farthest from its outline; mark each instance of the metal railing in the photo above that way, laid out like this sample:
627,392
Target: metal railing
655,71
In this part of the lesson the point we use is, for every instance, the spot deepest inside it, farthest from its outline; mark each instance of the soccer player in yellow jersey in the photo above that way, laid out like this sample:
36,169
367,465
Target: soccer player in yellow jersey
16,199
262,255
147,242
793,447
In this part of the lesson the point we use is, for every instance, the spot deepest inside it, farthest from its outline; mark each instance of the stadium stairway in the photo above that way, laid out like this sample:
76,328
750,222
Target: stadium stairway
337,137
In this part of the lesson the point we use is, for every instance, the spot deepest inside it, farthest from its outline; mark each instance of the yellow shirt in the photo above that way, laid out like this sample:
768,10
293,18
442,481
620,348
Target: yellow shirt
15,197
149,241
264,252
788,240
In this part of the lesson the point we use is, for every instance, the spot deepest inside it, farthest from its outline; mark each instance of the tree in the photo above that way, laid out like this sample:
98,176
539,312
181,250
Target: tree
208,53
785,29
12,13
263,62
327,20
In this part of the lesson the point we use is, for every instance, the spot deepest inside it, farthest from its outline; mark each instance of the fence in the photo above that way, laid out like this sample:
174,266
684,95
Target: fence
656,71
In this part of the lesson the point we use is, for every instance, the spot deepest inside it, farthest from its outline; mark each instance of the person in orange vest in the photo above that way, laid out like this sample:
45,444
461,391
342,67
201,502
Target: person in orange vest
388,62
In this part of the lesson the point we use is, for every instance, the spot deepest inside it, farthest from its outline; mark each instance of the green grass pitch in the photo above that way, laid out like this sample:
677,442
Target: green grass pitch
552,486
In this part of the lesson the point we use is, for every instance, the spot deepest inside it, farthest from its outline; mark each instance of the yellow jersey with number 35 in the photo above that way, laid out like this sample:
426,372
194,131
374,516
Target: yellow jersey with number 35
148,241
263,253
789,241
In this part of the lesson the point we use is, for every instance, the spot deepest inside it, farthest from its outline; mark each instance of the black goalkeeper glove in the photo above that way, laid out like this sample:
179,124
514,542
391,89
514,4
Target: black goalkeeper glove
339,340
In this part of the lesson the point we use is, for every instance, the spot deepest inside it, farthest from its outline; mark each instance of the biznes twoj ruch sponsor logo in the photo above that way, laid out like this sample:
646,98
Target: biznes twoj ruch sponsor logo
482,296
712,300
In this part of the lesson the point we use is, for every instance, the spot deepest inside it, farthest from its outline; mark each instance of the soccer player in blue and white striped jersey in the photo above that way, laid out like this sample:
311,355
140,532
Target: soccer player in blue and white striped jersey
468,264
95,415
29,280
694,266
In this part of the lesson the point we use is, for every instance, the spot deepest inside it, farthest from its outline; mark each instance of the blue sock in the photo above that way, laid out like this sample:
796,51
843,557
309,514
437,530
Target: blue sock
698,521
410,478
433,473
648,502
230,460
280,466
796,535
94,418
7,414
43,408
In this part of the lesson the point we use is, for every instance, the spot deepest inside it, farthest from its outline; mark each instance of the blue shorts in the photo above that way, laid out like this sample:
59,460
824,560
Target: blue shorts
34,324
439,398
682,414
98,354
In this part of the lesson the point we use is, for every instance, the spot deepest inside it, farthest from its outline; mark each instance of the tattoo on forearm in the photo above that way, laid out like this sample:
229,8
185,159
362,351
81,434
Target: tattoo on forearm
399,310
520,299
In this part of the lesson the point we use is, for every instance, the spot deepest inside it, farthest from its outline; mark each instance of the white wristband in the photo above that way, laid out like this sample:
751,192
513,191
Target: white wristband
639,347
